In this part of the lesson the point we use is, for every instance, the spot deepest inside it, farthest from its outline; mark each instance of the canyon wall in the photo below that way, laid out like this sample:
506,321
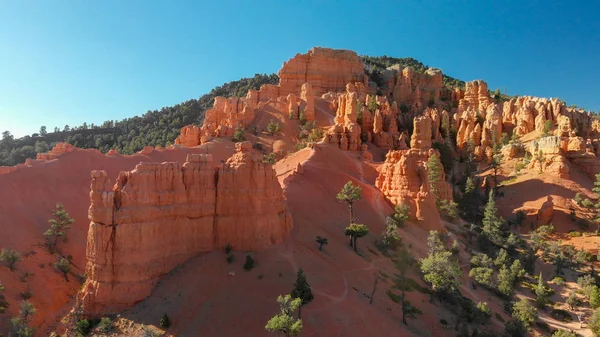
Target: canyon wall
161,214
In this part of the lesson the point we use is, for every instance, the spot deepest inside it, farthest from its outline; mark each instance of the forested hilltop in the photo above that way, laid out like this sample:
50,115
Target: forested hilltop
157,127
161,127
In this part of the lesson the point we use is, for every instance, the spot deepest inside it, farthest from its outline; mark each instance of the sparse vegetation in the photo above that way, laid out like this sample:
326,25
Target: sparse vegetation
321,241
356,231
302,291
10,257
64,266
284,322
165,321
439,268
269,158
59,227
105,325
273,127
238,135
249,264
349,194
21,323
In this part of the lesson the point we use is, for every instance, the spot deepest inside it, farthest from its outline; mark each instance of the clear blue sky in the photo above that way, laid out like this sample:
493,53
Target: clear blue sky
70,61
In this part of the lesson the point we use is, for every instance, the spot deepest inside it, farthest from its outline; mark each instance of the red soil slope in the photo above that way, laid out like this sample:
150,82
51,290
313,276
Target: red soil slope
27,198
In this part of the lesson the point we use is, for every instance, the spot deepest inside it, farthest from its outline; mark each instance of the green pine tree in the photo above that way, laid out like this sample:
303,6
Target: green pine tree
59,227
302,290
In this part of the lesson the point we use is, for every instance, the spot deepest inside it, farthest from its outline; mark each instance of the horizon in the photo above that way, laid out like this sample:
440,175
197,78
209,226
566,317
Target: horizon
118,63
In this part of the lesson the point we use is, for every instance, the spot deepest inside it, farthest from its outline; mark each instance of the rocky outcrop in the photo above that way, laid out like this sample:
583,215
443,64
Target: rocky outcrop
476,97
161,214
544,214
324,69
308,102
421,137
403,177
346,132
58,150
413,90
189,137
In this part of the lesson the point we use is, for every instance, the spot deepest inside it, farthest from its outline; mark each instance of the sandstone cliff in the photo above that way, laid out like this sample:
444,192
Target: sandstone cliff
161,214
324,68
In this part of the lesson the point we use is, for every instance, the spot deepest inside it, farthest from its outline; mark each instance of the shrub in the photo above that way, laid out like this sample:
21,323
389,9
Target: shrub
105,324
83,326
10,257
269,158
558,280
578,199
249,264
574,234
230,258
228,249
273,127
238,135
165,322
561,315
587,203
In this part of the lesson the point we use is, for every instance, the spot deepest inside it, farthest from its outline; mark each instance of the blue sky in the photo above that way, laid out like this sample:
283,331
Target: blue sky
74,61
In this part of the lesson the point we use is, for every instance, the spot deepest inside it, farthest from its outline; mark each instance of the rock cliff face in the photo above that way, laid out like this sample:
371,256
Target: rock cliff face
161,214
346,131
323,68
403,177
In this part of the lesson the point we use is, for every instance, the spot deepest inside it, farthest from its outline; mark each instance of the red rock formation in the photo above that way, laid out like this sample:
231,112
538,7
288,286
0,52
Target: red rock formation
421,137
415,90
544,214
161,214
58,150
346,131
403,177
189,137
476,97
112,152
323,68
226,115
308,100
293,107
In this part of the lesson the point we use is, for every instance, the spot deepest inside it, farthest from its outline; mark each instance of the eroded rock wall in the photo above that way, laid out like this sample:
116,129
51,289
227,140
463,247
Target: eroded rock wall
161,214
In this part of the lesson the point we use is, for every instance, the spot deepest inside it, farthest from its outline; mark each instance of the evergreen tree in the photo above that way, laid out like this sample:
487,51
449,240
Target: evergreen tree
594,323
284,322
302,290
492,221
506,282
349,194
58,227
524,312
434,175
355,231
541,292
64,266
403,262
321,241
439,268
572,300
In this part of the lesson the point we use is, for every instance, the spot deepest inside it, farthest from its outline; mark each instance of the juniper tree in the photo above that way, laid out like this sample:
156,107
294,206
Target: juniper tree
403,262
349,194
